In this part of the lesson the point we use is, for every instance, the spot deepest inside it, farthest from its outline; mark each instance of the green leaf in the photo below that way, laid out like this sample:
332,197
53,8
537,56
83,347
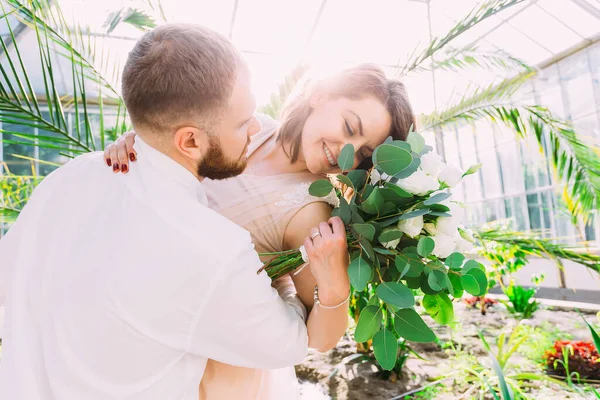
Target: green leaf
391,159
368,248
396,294
440,307
435,281
344,211
360,273
455,260
472,169
413,260
416,141
414,214
374,203
408,171
390,235
425,246
369,322
366,231
457,289
595,334
474,282
409,325
345,180
401,144
358,177
320,188
393,192
346,157
469,265
436,198
385,347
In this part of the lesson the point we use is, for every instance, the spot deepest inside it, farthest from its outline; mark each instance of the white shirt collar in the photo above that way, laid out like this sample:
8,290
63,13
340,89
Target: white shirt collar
171,169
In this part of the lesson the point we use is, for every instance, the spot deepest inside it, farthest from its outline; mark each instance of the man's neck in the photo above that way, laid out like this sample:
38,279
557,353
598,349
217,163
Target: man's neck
158,144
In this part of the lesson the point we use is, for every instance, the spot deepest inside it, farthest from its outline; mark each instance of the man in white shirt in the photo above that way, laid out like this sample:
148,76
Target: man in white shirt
86,322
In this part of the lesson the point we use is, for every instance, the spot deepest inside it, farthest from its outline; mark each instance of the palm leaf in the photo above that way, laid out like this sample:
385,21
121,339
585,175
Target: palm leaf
531,243
472,56
131,16
575,161
477,15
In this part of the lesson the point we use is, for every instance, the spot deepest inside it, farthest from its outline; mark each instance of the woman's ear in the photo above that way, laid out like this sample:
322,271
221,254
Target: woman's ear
191,142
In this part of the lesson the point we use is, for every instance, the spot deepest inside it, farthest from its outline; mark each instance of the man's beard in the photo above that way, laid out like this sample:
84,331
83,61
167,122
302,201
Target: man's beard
216,166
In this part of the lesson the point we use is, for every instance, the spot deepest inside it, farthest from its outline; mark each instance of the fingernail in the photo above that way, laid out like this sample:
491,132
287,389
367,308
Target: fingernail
115,167
108,162
132,156
124,168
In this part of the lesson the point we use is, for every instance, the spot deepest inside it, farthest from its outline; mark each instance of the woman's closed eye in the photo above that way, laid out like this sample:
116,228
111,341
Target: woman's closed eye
348,128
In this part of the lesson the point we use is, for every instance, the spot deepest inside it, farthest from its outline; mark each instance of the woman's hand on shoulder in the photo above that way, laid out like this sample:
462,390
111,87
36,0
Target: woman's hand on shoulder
118,154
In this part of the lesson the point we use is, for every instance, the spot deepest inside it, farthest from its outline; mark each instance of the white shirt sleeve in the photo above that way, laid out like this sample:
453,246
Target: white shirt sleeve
245,322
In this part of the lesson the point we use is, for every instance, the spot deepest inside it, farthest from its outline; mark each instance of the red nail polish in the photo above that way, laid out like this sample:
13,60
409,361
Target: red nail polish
132,157
115,167
108,162
124,168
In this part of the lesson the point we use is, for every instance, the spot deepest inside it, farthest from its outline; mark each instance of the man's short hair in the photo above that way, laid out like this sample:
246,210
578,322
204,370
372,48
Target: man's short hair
177,75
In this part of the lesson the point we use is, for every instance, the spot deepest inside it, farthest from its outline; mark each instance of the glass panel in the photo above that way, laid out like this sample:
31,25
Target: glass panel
547,213
565,231
484,135
491,213
545,30
533,207
451,146
590,230
587,127
511,168
577,81
548,90
520,213
594,54
572,15
490,174
50,155
15,164
515,43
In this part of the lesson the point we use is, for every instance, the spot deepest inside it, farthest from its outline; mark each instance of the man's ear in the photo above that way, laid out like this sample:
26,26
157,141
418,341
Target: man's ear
191,142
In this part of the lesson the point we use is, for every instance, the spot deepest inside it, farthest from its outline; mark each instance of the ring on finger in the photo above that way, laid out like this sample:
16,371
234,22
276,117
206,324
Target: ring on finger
314,235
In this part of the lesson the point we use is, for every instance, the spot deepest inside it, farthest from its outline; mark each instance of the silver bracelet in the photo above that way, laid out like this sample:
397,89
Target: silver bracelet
318,302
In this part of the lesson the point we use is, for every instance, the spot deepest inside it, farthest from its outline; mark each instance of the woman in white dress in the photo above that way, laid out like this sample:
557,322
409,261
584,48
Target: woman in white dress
358,105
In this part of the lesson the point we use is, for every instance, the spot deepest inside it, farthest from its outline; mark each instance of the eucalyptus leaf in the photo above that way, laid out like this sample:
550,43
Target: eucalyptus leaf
455,260
390,235
408,171
345,180
360,273
440,214
346,157
392,192
366,231
439,307
401,144
457,289
416,141
391,159
385,348
369,322
425,246
368,248
396,294
435,281
374,203
344,211
389,221
474,282
358,177
414,214
469,265
436,198
320,188
409,325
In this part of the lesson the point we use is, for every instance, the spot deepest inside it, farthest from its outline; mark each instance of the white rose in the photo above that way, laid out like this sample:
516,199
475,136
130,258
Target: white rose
448,225
412,227
419,183
462,245
444,245
431,163
431,228
450,175
456,210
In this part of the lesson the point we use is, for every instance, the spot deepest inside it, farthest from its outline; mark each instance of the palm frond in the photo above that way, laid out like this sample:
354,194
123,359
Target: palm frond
472,56
477,15
279,97
531,243
131,16
575,160
15,192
